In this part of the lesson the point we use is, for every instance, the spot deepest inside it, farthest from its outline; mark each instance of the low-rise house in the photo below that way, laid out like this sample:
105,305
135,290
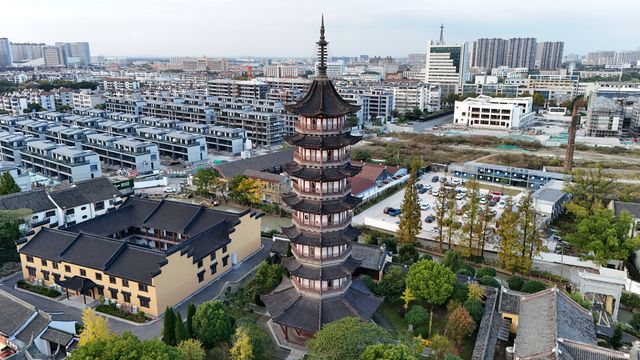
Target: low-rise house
43,210
61,162
126,152
144,256
271,163
271,185
549,200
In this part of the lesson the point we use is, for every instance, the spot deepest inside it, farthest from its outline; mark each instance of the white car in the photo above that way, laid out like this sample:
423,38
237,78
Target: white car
428,186
483,201
459,196
435,192
425,206
502,204
456,181
170,190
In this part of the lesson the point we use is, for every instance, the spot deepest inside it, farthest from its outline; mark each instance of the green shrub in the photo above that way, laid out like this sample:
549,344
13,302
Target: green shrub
42,290
532,286
469,268
465,272
489,281
475,309
111,309
630,300
577,297
515,282
417,315
635,321
486,271
460,291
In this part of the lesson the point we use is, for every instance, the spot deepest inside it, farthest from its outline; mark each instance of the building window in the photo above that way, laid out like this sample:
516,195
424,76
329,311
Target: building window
143,287
83,272
45,275
54,264
214,268
213,256
126,296
32,271
125,282
56,277
201,276
50,213
98,276
84,216
100,291
70,211
83,208
224,249
112,279
114,293
67,268
225,260
99,206
29,258
44,262
144,301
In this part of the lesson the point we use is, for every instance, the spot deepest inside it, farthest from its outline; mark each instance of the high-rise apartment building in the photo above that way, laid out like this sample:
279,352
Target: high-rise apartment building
549,55
26,51
521,52
281,71
488,53
5,53
53,56
76,52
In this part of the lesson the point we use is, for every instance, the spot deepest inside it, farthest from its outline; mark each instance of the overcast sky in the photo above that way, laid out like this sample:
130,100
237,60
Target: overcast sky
290,27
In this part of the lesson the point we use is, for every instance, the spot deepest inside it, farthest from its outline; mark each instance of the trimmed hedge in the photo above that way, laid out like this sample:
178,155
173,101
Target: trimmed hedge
532,286
515,282
42,290
486,271
489,281
630,300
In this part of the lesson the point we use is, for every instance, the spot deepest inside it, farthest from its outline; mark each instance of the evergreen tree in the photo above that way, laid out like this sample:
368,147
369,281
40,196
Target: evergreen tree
7,184
169,329
589,190
441,217
486,221
452,218
410,212
191,310
470,227
181,330
530,243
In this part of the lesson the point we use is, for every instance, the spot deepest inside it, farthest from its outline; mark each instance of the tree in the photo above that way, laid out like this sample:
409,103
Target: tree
212,323
451,98
8,184
352,121
589,190
442,202
475,309
245,190
486,271
345,339
181,330
191,349
486,221
441,345
603,236
532,286
509,234
169,328
126,346
538,99
459,325
470,226
460,292
407,254
635,321
530,243
268,276
515,282
476,292
616,339
410,212
250,342
417,315
191,311
450,221
203,179
33,107
96,327
388,352
361,155
392,285
489,281
452,260
430,281
10,231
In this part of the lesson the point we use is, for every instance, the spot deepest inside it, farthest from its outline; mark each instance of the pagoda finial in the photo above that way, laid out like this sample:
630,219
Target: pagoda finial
322,52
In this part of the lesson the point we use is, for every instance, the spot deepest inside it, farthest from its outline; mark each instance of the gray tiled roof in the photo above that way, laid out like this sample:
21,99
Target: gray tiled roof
631,208
547,316
57,336
510,301
13,313
99,189
36,200
489,328
264,176
259,163
370,256
34,328
69,198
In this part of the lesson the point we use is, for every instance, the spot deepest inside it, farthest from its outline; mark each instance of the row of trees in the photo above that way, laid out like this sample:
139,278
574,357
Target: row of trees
242,190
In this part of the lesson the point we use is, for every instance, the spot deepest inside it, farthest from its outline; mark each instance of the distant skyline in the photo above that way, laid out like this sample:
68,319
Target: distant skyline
289,28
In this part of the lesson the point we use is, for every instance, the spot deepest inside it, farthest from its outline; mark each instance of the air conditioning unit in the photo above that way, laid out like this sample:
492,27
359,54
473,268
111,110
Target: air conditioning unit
118,305
105,301
134,309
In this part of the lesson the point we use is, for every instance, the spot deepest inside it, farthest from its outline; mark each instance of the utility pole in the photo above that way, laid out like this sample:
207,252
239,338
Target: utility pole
571,142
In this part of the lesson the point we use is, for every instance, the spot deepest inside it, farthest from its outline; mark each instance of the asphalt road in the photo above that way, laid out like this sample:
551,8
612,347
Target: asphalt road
152,329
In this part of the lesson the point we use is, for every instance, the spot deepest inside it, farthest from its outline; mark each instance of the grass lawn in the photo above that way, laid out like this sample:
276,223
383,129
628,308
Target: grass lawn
504,190
400,327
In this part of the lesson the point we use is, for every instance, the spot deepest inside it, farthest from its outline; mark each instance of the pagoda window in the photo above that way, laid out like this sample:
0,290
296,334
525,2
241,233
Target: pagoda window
305,250
336,186
325,220
324,285
306,219
324,187
316,284
324,155
335,123
337,219
324,253
307,185
305,283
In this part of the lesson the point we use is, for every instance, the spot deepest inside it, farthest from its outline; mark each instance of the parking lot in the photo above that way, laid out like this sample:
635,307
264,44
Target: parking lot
428,230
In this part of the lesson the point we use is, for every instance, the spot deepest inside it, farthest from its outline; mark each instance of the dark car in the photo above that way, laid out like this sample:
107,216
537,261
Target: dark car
429,219
435,179
492,203
422,190
394,212
419,186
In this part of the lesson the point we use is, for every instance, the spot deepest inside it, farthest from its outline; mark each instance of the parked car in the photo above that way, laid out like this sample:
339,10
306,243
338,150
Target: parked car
435,192
170,190
419,186
492,203
457,181
460,196
425,206
422,190
428,187
394,212
502,204
386,210
435,179
429,219
483,201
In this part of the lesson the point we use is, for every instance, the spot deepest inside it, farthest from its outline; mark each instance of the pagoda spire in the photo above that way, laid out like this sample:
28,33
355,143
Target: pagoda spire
322,52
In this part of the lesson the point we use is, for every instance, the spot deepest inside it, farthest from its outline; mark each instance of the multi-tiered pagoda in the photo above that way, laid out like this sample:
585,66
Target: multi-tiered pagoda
320,288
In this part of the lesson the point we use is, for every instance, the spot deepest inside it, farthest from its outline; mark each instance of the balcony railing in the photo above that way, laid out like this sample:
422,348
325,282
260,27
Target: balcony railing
315,291
319,192
318,261
319,129
299,158
319,226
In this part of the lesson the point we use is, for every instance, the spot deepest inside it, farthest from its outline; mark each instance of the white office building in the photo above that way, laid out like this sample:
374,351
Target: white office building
494,113
425,97
446,66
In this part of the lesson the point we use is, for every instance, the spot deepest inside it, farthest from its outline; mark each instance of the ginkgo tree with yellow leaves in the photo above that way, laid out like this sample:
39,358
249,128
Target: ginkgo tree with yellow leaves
245,190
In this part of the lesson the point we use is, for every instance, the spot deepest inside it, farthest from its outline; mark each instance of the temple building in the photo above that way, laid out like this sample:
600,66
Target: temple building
320,288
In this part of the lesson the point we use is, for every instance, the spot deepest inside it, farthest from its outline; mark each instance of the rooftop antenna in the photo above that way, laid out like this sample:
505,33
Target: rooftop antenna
441,42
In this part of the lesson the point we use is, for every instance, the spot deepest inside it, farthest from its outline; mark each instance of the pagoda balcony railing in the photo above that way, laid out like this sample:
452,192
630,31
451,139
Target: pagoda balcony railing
297,157
318,292
319,226
313,192
319,130
313,260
